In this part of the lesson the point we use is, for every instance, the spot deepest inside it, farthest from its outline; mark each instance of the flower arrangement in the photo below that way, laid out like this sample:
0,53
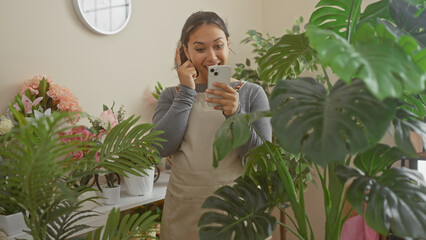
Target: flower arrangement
87,151
107,120
101,126
40,96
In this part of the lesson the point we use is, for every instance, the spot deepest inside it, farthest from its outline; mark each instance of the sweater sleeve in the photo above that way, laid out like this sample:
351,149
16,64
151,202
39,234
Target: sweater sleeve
255,100
171,116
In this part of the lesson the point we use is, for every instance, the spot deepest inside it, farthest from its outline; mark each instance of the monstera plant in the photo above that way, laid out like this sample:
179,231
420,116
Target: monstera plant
39,167
378,54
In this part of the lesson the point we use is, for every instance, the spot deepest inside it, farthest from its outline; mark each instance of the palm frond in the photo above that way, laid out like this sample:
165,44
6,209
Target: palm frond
129,227
130,146
33,163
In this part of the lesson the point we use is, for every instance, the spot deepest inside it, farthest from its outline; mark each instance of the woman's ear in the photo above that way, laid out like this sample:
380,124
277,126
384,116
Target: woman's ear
185,50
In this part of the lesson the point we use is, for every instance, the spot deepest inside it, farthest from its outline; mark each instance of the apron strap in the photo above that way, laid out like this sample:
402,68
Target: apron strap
239,86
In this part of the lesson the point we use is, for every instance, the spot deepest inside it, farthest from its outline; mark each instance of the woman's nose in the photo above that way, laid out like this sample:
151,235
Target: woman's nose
211,55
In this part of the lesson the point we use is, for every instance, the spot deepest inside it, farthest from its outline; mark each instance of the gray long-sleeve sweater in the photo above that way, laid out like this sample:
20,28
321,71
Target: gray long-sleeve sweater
173,109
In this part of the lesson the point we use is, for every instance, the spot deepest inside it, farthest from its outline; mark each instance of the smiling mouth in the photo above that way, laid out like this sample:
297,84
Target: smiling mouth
207,66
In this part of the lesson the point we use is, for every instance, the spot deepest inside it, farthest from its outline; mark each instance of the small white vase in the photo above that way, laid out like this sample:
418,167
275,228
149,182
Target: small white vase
12,224
140,185
111,195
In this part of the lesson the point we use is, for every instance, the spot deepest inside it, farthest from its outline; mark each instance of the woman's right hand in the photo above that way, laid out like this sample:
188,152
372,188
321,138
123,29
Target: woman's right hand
186,71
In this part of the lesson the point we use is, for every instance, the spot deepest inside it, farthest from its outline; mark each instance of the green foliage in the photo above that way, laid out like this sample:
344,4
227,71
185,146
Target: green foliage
380,58
392,198
339,16
261,159
381,67
129,227
260,44
158,90
34,165
128,146
233,133
244,206
327,127
43,178
410,17
291,55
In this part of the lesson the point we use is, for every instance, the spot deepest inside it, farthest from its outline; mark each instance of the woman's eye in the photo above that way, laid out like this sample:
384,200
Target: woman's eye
199,49
219,46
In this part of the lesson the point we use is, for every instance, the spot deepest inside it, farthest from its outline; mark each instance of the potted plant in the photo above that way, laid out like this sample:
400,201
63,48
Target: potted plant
379,56
140,181
43,167
110,190
11,217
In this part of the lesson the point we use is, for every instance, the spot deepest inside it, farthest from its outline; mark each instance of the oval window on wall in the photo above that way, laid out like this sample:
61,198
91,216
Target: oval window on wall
103,16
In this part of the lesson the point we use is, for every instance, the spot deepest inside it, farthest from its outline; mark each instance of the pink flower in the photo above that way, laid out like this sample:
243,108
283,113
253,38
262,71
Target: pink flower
109,117
28,104
33,84
82,132
97,157
64,99
79,134
77,154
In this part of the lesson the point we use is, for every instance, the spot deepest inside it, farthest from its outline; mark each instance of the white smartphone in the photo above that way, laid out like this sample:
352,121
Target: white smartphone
219,73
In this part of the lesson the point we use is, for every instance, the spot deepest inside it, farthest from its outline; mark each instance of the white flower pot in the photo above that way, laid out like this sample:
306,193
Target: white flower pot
12,224
140,185
111,195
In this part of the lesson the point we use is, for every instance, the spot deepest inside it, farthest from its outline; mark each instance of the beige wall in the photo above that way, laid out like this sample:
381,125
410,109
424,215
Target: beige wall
46,37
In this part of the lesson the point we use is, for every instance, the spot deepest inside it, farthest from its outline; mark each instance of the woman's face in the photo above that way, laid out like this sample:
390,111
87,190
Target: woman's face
207,46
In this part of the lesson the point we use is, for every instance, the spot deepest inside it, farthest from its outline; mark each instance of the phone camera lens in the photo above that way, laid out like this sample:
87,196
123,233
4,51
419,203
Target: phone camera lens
216,73
212,70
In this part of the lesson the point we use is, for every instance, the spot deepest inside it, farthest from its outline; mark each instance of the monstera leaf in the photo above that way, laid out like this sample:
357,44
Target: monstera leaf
410,17
395,200
374,11
386,70
234,132
324,126
289,57
340,16
242,213
377,159
404,122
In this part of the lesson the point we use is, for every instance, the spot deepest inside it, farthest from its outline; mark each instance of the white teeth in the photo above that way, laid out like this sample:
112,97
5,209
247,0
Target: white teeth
212,65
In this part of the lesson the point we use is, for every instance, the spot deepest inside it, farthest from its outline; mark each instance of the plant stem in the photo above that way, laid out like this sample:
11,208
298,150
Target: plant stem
327,78
296,204
334,219
291,230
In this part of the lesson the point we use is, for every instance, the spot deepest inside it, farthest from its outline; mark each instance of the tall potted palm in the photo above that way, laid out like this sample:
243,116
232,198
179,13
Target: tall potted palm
379,56
42,175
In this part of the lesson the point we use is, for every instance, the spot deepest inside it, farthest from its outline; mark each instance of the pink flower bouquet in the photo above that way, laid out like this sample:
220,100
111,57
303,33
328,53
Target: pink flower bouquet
40,96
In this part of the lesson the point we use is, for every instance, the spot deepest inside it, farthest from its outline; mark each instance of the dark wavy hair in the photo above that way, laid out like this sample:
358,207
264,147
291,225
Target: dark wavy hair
193,22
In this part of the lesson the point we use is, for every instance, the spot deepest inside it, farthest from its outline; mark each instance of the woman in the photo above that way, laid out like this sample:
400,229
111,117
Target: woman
189,124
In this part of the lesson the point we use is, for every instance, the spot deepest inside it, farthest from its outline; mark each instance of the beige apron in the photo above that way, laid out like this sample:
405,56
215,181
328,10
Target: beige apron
193,178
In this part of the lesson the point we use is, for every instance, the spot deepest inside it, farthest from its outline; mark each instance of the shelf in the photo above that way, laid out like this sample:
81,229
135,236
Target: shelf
126,202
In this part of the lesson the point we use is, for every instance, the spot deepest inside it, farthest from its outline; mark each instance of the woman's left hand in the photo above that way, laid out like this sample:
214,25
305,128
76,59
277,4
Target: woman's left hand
228,104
